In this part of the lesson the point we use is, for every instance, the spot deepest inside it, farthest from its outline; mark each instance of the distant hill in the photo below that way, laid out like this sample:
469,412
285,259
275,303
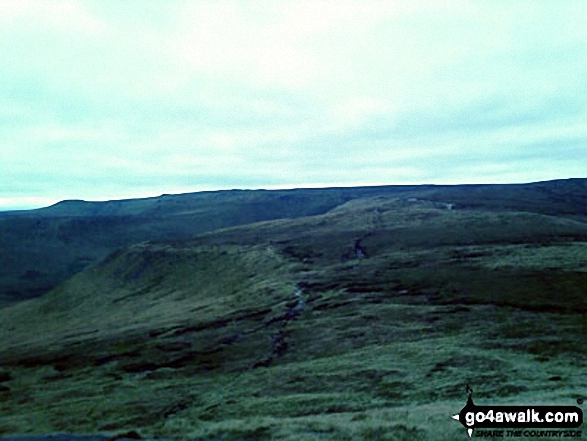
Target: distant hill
44,247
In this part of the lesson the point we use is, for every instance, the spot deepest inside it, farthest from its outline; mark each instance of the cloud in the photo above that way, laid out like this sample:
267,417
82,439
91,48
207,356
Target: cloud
101,99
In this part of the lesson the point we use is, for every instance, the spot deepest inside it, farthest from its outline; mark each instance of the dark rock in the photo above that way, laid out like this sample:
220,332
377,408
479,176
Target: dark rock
278,344
175,409
56,437
233,339
263,363
5,395
5,376
132,434
359,251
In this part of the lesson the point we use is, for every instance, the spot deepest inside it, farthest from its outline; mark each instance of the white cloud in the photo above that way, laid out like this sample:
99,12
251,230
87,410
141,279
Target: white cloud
26,202
247,93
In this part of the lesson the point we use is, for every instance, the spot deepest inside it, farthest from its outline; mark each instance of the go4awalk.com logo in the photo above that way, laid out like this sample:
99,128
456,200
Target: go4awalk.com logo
521,421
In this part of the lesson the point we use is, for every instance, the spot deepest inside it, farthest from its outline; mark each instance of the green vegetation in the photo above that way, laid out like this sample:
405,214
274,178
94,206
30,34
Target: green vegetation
364,321
45,247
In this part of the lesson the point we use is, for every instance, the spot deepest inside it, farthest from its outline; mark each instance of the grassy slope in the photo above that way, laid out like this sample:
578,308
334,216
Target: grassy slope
44,247
208,338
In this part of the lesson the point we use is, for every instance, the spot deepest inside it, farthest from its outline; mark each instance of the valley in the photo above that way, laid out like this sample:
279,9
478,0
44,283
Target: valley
331,314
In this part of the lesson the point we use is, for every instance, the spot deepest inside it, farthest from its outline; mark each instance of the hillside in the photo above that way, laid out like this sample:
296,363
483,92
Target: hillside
46,246
364,318
51,244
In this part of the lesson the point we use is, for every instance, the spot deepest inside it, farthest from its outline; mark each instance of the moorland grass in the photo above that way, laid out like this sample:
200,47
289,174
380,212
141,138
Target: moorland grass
279,331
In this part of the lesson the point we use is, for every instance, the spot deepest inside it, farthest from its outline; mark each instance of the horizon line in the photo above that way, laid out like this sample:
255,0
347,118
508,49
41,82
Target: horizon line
49,202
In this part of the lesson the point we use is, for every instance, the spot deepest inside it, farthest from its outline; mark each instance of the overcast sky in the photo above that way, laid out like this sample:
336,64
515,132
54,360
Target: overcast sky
111,99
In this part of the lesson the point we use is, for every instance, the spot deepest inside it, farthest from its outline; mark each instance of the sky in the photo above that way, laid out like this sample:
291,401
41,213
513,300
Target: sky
107,99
